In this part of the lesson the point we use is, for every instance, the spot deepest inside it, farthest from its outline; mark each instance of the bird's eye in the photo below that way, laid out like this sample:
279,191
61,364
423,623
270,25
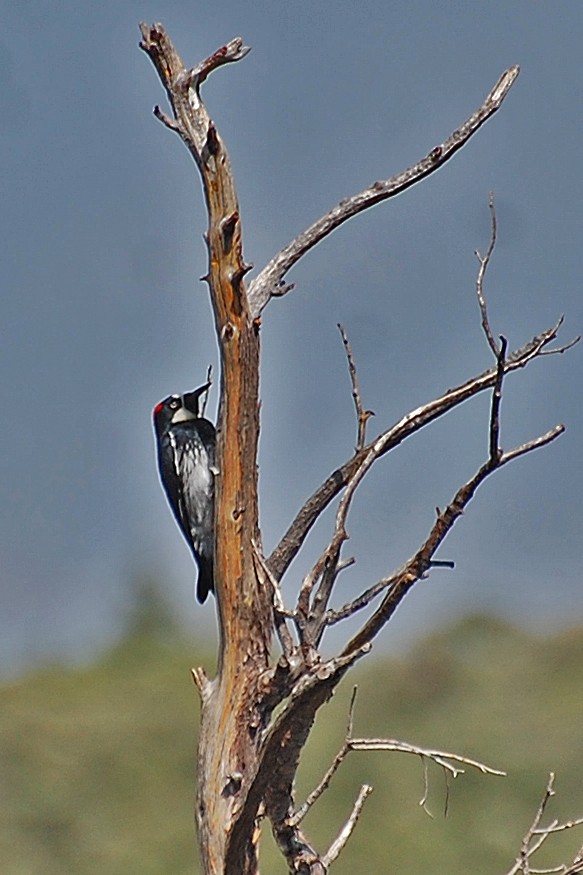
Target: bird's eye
174,403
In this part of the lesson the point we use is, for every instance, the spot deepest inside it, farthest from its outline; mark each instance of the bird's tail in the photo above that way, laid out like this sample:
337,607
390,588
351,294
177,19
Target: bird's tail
206,581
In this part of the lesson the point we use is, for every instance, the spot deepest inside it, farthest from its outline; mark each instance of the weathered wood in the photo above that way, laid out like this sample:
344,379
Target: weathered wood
230,723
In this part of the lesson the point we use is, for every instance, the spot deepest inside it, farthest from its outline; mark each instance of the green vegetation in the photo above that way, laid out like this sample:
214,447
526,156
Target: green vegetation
97,764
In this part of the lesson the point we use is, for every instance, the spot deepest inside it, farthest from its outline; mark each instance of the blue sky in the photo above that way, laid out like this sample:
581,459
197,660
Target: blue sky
103,314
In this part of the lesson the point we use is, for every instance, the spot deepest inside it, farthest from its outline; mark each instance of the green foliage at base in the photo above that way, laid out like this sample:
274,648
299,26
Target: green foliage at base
97,765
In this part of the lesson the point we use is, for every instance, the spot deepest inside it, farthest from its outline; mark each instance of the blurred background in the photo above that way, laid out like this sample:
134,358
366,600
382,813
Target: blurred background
103,315
97,763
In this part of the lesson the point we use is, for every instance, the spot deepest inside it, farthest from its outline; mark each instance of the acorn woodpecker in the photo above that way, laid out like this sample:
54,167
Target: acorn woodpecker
186,461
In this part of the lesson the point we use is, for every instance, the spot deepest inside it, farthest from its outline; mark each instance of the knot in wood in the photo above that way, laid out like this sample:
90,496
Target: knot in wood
229,331
233,784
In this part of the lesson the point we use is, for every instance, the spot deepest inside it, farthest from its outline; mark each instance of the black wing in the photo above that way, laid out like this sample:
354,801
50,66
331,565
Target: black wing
186,459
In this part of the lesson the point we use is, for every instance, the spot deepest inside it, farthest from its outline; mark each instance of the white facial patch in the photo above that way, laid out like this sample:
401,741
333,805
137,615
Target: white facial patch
182,415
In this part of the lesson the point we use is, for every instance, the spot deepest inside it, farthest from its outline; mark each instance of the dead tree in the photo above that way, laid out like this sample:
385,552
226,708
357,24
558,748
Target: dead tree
272,679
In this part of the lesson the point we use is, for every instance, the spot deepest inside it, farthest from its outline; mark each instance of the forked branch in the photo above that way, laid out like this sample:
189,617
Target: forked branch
413,422
536,836
312,613
447,761
292,540
362,415
417,566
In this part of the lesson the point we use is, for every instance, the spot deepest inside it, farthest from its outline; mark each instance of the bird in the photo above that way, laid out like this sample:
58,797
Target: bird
186,444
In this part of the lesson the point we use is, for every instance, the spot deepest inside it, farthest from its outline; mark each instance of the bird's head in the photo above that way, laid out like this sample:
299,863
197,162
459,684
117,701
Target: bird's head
178,408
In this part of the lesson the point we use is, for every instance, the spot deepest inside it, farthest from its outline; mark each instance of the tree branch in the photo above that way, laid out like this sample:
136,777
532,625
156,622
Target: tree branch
399,584
336,762
443,759
417,419
362,415
279,756
312,616
495,451
268,282
280,613
536,836
576,866
484,262
338,844
292,540
209,380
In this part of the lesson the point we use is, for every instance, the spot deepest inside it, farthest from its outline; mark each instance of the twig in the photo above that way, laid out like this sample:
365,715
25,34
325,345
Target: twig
357,604
536,836
534,444
202,683
350,722
262,287
313,797
559,350
577,865
280,613
166,120
425,797
365,598
209,380
447,780
495,451
338,844
484,262
568,824
312,618
362,415
442,758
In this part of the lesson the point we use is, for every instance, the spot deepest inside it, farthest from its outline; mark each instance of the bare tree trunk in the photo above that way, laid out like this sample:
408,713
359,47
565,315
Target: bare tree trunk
231,722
